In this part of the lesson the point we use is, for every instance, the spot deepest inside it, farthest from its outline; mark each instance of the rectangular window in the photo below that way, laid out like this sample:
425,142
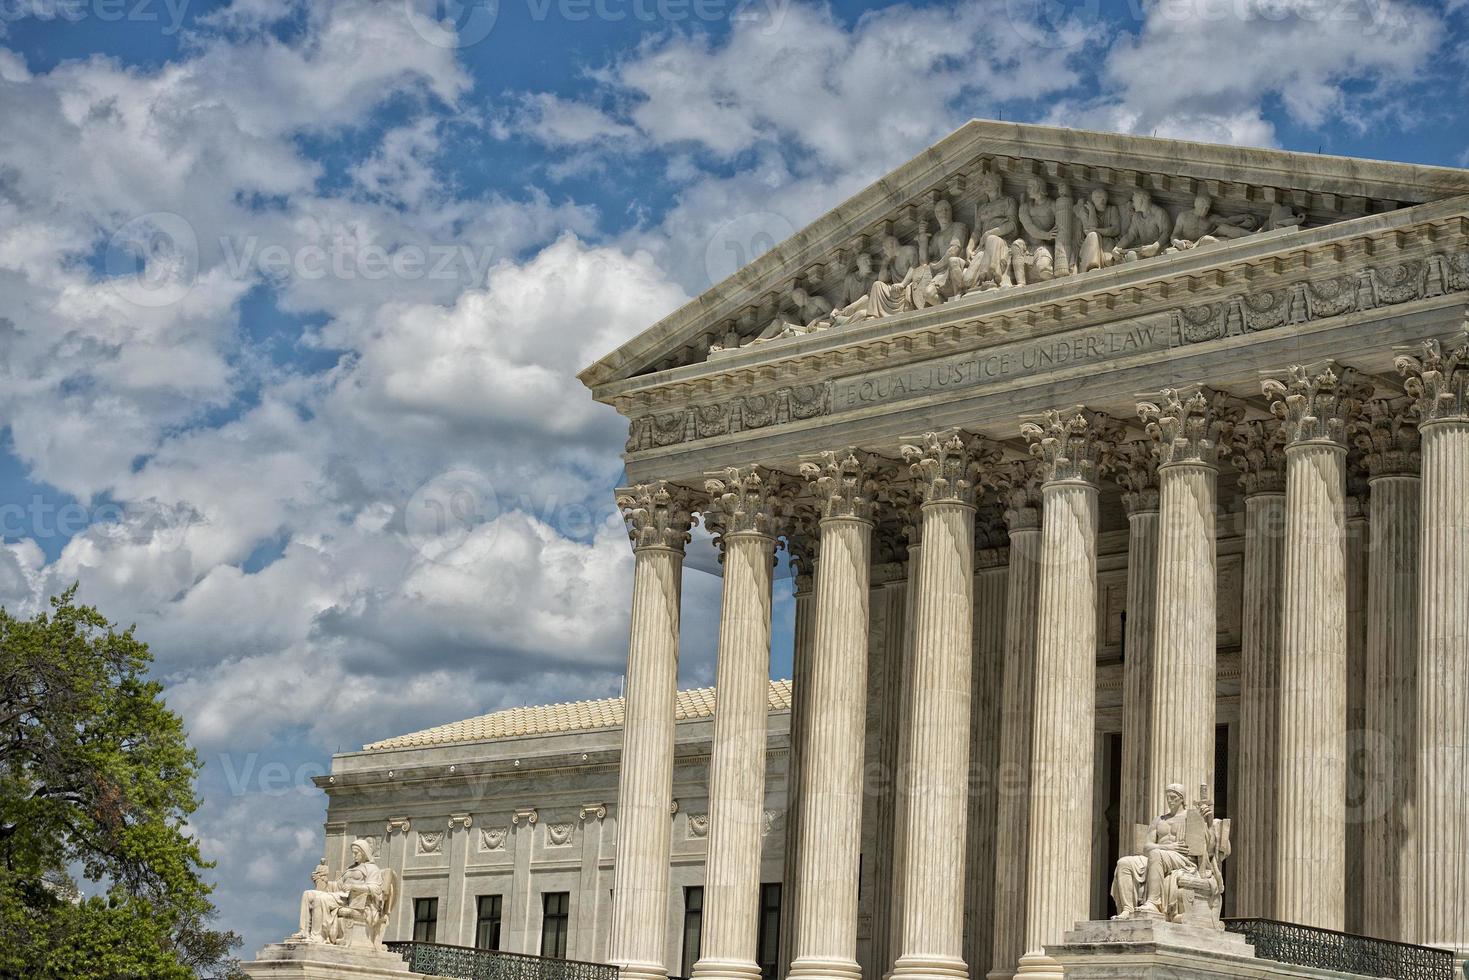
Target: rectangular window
693,927
767,948
487,922
555,923
425,920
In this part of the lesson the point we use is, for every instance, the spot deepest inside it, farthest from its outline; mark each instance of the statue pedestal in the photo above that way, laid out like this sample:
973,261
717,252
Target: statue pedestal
320,961
1152,949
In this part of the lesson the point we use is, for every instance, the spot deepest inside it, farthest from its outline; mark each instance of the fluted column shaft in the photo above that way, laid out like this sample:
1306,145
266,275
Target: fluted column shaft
831,791
938,770
1442,798
1063,748
1264,563
1183,674
990,585
1311,829
737,764
1356,544
1259,454
1391,710
801,656
905,695
1137,673
645,782
1017,698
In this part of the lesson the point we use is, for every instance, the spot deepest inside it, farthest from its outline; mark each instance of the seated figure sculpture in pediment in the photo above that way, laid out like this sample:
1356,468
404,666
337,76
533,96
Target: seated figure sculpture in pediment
1148,230
996,224
1179,874
1040,217
811,311
1200,225
1099,224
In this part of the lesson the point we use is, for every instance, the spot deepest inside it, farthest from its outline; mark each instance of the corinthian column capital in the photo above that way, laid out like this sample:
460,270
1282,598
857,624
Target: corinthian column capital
1190,424
1316,405
1022,495
1387,434
747,500
1438,380
658,515
1259,455
950,466
846,482
1136,473
1074,445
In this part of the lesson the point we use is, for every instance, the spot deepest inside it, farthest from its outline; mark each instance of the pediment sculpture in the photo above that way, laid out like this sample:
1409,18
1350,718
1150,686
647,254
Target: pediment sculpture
1054,229
1178,874
352,911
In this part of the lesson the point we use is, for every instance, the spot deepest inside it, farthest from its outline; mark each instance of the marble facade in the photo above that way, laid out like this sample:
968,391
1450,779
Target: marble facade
1185,358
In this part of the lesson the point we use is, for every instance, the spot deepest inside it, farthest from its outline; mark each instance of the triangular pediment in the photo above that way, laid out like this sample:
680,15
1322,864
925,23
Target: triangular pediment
1251,191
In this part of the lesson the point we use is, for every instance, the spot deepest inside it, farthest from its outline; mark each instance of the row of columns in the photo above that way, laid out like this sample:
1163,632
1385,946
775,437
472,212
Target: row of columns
1291,825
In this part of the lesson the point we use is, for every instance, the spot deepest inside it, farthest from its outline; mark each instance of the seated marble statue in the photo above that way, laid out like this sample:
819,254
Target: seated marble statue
812,312
996,224
1099,223
1182,860
1201,226
363,897
1148,230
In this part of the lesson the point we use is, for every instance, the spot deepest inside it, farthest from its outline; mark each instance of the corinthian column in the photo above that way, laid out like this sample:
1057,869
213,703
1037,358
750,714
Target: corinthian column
1070,447
1389,438
1137,474
1438,379
658,520
1189,427
1310,876
1259,454
743,512
1017,698
946,468
831,782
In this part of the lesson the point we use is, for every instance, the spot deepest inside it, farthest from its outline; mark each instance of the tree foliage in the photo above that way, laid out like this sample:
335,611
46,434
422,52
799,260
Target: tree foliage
96,786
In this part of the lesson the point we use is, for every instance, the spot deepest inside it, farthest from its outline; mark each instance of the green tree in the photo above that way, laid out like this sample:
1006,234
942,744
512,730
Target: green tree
97,782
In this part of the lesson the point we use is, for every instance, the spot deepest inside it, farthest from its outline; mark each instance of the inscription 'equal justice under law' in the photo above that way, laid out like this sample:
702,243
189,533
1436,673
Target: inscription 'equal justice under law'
977,367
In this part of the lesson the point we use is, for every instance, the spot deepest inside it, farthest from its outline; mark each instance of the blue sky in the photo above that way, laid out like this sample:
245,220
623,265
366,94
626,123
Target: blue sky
292,297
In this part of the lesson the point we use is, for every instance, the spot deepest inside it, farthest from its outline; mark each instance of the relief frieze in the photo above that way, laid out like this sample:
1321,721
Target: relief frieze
1243,313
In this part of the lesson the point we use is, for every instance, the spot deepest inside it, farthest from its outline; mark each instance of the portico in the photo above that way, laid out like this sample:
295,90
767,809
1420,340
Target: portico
1206,383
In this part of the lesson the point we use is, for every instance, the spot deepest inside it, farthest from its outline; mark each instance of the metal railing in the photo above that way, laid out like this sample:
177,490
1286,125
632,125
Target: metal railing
468,963
1326,949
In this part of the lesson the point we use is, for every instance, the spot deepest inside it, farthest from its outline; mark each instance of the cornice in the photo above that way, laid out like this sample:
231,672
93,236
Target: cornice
1249,286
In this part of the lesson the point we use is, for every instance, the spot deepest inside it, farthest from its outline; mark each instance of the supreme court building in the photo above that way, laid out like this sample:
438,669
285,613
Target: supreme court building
1106,462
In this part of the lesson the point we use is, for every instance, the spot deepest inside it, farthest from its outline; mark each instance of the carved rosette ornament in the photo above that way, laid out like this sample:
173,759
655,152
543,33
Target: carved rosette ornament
1259,455
846,482
747,500
1316,406
950,467
658,515
1075,445
1136,472
1190,425
1438,381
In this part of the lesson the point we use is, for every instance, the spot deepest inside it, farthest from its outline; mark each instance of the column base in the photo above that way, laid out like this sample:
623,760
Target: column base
712,969
910,967
642,971
999,975
817,968
1036,965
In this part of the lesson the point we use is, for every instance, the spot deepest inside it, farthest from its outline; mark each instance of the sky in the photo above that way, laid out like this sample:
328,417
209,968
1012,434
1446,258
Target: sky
293,296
